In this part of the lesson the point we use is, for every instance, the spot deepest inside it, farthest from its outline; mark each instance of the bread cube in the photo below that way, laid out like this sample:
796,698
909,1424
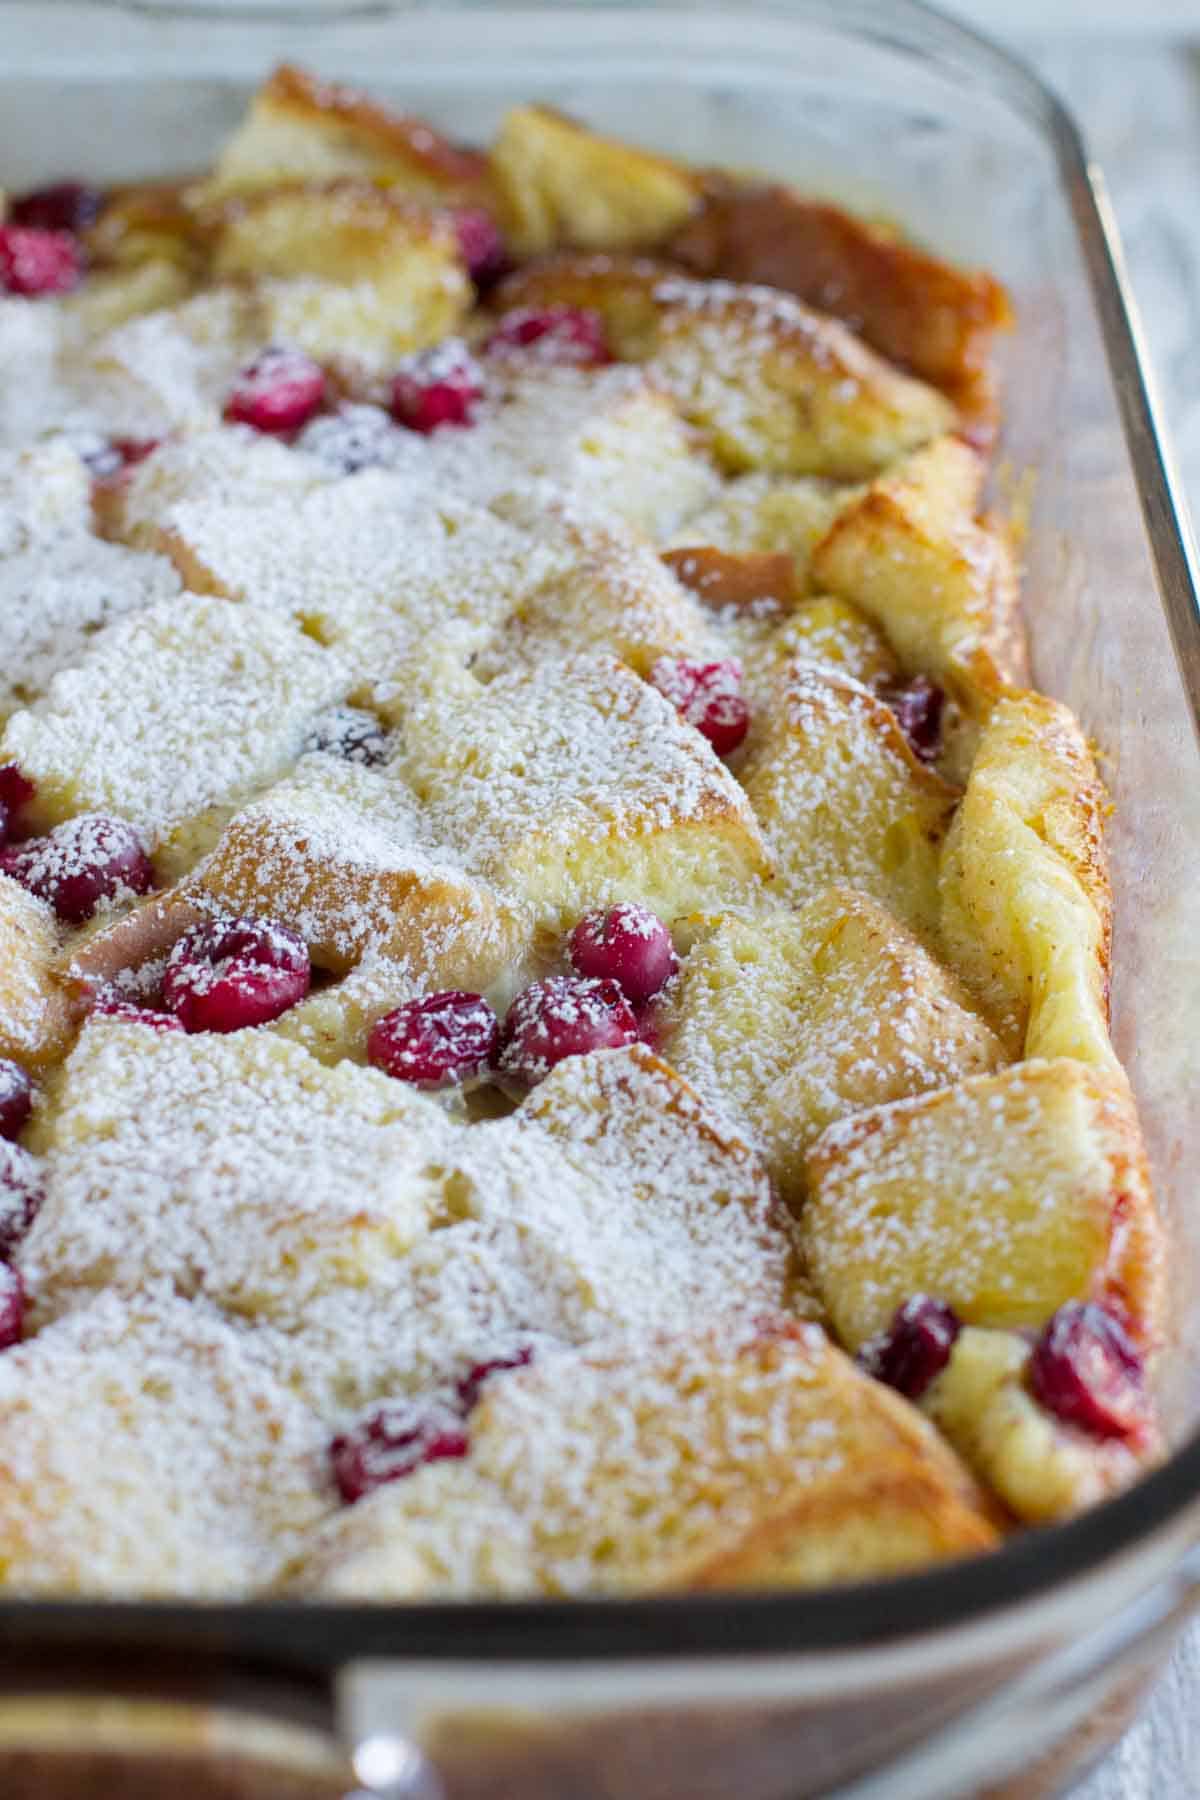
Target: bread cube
789,1021
573,783
1026,909
146,1451
350,233
609,436
920,312
234,1166
1005,1195
1041,1469
560,184
612,593
740,1457
940,583
342,854
300,128
841,798
170,369
56,594
377,565
35,1012
773,385
227,465
172,716
783,514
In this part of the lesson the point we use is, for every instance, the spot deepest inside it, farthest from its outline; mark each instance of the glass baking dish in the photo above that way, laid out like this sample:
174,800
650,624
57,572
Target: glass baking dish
934,1684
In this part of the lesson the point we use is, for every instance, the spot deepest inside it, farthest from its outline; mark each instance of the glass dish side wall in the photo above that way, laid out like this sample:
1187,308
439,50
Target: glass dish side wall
891,110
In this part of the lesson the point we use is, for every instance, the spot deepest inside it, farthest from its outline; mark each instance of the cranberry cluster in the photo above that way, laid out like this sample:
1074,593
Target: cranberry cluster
283,389
621,956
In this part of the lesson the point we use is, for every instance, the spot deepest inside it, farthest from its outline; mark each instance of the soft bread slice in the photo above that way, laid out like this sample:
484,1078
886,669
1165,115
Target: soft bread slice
840,796
560,184
773,385
57,588
613,595
342,854
350,233
231,1165
227,465
573,783
739,1456
377,565
1026,908
940,582
146,1449
300,128
172,716
610,436
1005,1195
787,515
920,312
1040,1468
790,1021
35,1012
378,1248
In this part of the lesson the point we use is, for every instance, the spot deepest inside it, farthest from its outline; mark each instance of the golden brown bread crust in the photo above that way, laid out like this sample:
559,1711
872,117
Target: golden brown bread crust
1026,902
455,166
771,383
920,312
1006,1194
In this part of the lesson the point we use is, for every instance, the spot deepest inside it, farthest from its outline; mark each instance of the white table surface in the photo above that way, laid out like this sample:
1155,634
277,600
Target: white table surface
1138,99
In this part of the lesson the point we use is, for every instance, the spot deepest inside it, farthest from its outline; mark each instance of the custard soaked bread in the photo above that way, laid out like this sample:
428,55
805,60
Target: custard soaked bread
553,972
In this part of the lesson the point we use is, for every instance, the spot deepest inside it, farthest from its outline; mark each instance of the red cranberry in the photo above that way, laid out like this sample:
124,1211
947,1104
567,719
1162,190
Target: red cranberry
64,206
354,437
915,1348
349,732
16,791
12,1306
436,1041
87,860
553,334
1085,1370
470,1387
483,248
21,1196
38,262
278,392
708,696
442,386
627,944
918,706
390,1444
563,1016
16,1098
228,974
131,1014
